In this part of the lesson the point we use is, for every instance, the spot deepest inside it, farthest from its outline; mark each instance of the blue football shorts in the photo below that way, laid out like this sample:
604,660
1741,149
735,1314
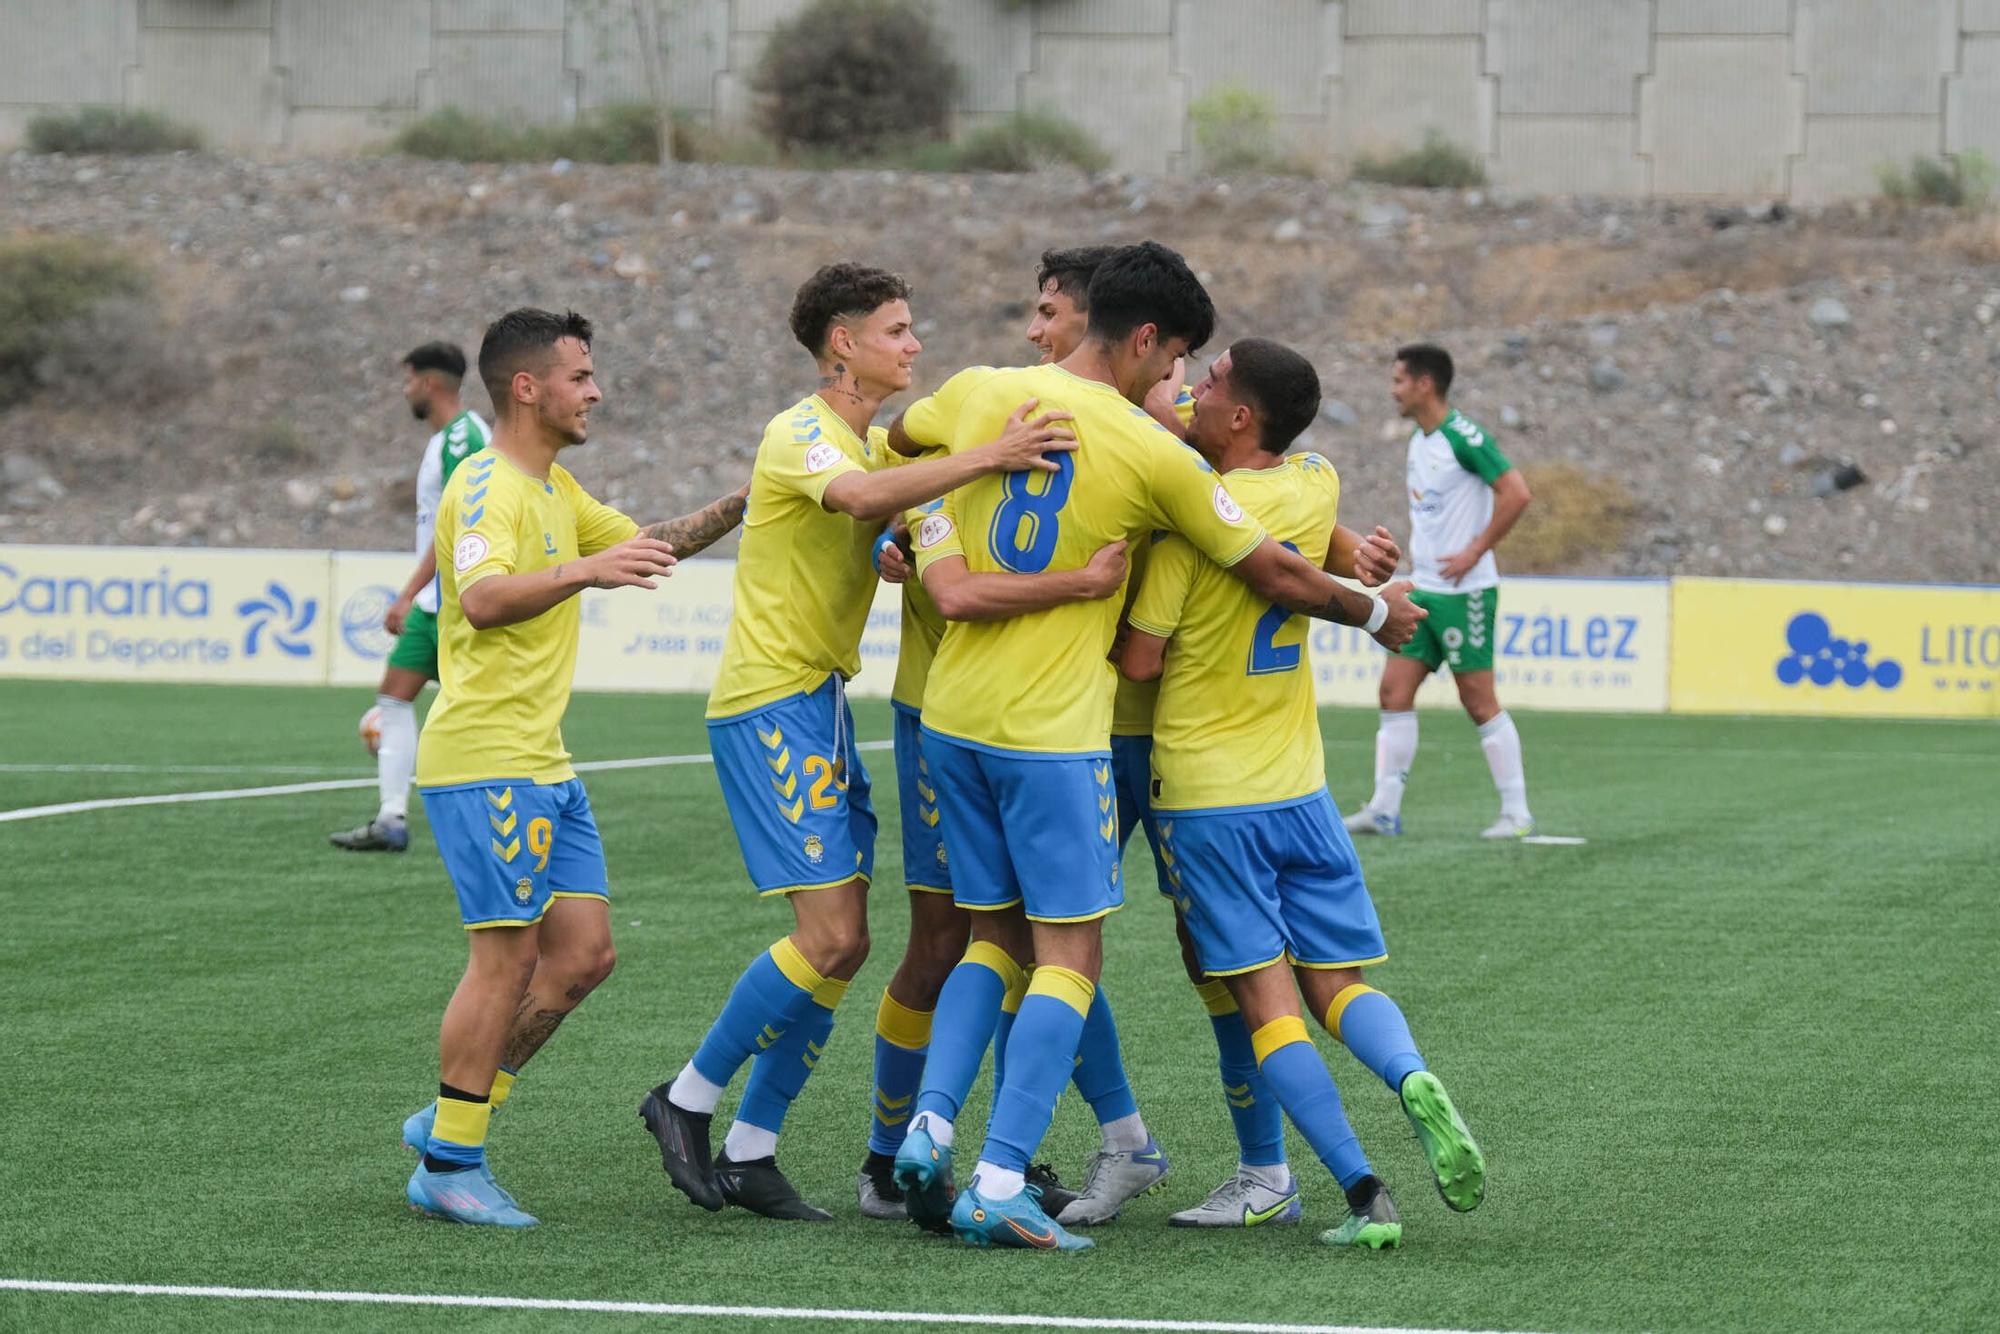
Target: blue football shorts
797,791
511,847
1028,828
1132,774
1263,884
926,868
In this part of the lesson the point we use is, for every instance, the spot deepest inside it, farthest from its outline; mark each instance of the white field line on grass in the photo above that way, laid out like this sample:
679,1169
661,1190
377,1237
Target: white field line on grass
178,769
329,785
907,1319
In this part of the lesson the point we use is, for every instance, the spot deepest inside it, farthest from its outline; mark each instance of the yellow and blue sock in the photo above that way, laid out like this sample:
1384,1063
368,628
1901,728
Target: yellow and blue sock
1374,1029
1010,1009
902,1037
1041,1053
962,1026
774,993
1099,1069
503,1085
1259,1121
1291,1065
781,1070
458,1136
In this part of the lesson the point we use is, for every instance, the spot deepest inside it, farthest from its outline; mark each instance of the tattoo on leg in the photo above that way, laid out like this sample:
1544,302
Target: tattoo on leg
528,1035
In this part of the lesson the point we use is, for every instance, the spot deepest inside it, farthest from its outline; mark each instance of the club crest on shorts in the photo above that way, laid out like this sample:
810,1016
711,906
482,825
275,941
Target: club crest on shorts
524,889
942,863
815,849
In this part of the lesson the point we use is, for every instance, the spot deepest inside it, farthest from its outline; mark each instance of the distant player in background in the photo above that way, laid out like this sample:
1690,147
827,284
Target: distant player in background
518,540
431,377
1464,497
1264,876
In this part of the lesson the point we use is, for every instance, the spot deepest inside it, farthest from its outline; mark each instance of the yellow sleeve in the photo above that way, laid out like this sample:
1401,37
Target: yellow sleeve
807,466
930,420
597,525
1184,406
934,536
1189,498
1170,568
478,531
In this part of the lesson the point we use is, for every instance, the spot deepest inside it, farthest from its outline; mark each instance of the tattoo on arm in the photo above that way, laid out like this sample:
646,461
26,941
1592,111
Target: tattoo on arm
692,533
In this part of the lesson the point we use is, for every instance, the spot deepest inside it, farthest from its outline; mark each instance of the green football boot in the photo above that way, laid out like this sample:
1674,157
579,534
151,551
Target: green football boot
1456,1162
1376,1226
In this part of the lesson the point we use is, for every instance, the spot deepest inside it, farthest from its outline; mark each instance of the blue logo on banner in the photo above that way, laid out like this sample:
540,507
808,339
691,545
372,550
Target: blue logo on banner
286,621
1816,655
361,621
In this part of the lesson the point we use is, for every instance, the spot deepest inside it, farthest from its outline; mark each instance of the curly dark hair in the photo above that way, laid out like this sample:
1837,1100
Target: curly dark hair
837,292
1149,284
1072,270
524,340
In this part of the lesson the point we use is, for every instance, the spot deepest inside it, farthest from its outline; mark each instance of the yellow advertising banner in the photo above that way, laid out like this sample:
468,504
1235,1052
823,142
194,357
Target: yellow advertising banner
1748,646
164,614
365,585
1580,644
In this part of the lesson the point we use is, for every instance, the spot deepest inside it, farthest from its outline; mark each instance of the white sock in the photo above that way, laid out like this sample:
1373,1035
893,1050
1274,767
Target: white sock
747,1143
935,1126
1126,1134
997,1183
396,757
693,1093
1502,745
1271,1176
1395,752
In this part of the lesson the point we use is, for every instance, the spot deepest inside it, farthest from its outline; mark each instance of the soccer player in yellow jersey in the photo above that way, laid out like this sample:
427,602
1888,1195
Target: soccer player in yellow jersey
823,484
517,540
1017,712
1256,855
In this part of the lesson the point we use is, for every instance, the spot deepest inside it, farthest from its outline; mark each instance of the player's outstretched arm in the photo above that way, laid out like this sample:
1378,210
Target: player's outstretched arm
1372,559
961,595
1144,656
1295,583
871,496
694,533
509,599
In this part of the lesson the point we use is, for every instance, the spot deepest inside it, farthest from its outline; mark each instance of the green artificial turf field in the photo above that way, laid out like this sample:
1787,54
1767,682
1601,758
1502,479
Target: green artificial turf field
1732,1061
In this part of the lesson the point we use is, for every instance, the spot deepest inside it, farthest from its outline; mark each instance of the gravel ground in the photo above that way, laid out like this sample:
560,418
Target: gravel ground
1777,393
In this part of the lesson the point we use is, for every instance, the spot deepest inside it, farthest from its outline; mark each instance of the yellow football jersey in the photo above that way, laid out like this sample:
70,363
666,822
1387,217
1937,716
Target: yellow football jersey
1237,722
1132,707
1040,682
804,579
932,420
503,691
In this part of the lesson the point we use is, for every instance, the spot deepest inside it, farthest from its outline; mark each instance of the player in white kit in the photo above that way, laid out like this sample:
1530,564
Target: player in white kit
1464,497
431,379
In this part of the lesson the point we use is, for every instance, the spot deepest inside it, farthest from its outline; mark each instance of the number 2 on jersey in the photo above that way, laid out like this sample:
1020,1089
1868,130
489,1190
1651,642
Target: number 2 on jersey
1025,527
1267,657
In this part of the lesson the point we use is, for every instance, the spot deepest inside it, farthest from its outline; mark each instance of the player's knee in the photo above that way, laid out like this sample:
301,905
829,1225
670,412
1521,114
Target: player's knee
597,966
837,949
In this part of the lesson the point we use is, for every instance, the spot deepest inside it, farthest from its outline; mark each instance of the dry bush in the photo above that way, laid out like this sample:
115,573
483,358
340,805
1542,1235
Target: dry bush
1575,513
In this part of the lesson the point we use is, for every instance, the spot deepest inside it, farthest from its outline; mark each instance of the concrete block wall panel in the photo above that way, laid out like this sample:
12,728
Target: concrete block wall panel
359,54
514,75
219,80
56,53
1721,116
601,48
1699,17
1876,57
1569,155
331,131
1268,46
1980,16
1415,18
1138,105
1396,89
1568,57
500,15
993,45
1972,98
763,15
1844,153
1107,18
206,14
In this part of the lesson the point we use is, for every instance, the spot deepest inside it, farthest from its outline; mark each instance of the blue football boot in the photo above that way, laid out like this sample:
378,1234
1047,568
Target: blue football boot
464,1197
1018,1222
923,1171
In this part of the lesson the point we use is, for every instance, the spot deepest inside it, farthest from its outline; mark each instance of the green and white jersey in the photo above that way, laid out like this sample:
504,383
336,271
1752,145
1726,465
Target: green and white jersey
1452,471
462,437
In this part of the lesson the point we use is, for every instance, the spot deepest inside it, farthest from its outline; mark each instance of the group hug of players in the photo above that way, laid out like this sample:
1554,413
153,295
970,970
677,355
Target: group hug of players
1054,528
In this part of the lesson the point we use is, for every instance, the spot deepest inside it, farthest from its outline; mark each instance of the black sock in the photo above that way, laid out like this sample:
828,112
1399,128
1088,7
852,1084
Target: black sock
435,1164
1363,1191
447,1091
